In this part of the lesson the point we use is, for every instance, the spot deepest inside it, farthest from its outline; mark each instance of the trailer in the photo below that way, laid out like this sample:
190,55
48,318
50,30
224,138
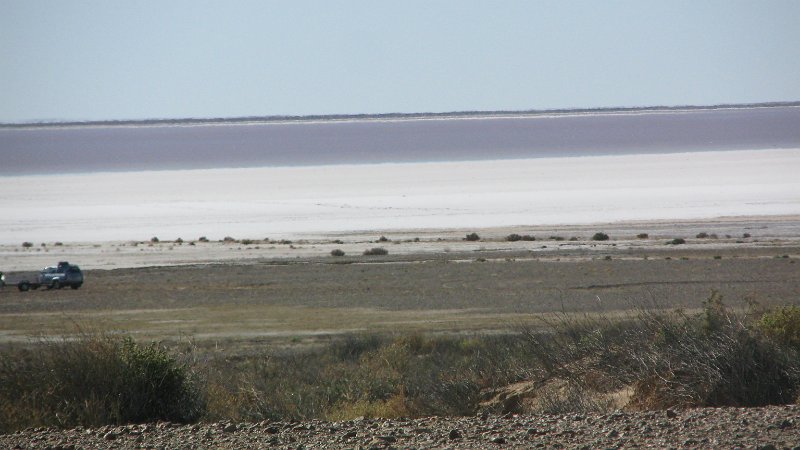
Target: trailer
51,277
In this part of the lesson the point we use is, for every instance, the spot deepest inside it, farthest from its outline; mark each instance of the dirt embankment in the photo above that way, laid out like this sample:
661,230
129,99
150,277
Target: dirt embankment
764,428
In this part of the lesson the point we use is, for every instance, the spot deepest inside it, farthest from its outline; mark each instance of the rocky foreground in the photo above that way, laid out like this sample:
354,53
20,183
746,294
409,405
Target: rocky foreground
764,428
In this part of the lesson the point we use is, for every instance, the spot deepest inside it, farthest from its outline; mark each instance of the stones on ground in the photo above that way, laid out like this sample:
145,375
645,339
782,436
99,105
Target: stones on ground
701,428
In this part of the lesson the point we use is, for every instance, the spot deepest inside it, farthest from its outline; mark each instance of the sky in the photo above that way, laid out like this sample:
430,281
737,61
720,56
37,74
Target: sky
114,60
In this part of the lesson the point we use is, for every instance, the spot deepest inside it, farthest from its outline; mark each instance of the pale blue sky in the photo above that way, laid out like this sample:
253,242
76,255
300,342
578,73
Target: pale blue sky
86,60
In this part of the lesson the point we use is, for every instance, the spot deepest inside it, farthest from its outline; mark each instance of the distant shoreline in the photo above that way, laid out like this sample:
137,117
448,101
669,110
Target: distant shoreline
393,116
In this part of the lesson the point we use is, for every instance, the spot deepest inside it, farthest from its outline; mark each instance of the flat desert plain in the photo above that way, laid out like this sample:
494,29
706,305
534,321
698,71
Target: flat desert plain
294,292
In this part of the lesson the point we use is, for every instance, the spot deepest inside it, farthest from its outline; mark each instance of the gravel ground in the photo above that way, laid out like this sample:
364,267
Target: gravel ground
774,427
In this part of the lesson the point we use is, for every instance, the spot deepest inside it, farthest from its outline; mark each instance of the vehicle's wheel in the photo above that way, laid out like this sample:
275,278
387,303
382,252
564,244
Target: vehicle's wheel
75,286
55,284
23,286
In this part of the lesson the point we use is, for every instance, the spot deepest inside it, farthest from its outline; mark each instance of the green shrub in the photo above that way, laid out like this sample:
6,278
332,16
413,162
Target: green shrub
702,235
337,252
27,244
154,240
92,381
472,237
202,239
642,236
782,325
677,241
599,236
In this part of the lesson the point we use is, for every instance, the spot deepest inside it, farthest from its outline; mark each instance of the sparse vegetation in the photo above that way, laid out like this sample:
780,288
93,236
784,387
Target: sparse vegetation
702,235
383,239
27,244
662,359
600,236
154,240
472,237
671,359
556,238
228,240
202,239
642,236
337,252
677,241
376,251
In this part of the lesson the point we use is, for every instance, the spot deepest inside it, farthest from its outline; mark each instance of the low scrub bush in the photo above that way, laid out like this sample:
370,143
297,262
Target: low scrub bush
337,252
27,244
599,236
472,237
516,237
94,380
376,251
677,241
642,236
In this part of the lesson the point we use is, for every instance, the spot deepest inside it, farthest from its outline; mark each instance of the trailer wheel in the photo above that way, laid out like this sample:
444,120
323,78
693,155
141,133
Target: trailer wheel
23,286
55,284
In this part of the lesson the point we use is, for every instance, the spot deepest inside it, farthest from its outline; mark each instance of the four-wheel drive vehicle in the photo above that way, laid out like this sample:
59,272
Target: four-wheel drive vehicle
62,275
